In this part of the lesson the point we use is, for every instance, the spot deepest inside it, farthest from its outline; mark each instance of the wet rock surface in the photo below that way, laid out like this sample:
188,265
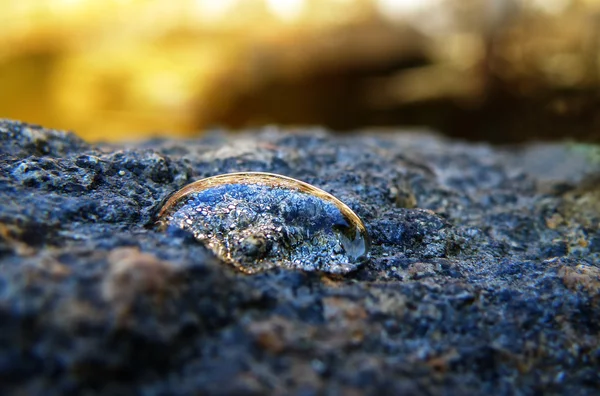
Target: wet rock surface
484,276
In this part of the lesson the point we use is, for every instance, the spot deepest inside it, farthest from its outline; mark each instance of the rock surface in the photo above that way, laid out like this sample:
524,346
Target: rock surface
484,275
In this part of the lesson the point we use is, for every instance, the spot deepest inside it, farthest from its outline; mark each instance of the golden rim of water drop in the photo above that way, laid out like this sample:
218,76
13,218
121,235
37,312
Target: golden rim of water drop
269,179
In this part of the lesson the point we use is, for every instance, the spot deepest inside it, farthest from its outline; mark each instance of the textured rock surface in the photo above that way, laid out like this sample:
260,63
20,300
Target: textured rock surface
484,275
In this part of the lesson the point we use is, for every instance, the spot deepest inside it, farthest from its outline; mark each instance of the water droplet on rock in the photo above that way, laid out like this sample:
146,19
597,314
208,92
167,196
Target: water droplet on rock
257,221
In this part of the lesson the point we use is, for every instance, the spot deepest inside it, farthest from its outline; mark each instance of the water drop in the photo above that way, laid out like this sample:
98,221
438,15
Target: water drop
257,221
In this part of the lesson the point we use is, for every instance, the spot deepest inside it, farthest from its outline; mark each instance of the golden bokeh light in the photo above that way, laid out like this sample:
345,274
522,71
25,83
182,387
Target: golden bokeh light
117,69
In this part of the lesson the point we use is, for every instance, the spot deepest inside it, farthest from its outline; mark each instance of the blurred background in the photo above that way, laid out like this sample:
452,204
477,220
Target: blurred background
493,70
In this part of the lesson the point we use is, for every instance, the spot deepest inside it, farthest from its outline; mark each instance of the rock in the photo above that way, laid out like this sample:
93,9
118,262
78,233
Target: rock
483,276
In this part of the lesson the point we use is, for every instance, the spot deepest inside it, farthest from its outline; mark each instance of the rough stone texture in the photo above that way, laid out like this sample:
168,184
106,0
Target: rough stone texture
484,276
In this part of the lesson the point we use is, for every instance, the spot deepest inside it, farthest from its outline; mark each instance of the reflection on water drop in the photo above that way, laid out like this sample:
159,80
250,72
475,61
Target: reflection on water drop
257,221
